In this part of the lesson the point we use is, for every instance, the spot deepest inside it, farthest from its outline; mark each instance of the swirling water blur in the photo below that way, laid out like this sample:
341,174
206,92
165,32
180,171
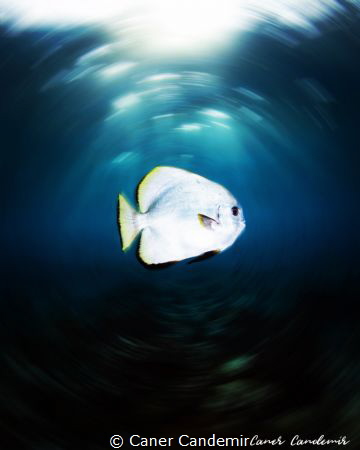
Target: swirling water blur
261,339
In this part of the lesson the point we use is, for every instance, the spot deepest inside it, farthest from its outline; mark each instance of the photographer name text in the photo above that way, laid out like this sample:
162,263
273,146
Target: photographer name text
185,440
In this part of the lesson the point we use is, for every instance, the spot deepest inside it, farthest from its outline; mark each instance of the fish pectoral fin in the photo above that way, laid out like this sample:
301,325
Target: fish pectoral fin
207,222
205,255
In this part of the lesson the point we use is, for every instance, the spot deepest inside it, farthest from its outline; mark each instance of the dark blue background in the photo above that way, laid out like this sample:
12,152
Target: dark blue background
263,338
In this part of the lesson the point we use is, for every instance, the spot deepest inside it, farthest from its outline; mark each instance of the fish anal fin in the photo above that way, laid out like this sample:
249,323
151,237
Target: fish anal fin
207,222
160,266
204,256
154,250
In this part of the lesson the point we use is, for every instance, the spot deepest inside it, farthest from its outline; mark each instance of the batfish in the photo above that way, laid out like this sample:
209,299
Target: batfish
180,215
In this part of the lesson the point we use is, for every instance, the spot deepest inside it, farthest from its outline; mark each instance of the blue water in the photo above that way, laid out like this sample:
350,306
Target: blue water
87,327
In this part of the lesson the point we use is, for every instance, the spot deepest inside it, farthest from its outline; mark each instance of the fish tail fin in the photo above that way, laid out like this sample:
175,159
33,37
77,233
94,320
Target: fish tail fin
129,222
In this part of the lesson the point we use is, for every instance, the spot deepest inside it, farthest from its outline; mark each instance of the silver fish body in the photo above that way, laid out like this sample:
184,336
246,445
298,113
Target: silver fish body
181,215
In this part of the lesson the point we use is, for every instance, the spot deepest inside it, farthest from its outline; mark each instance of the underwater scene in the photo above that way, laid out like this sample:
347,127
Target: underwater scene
260,340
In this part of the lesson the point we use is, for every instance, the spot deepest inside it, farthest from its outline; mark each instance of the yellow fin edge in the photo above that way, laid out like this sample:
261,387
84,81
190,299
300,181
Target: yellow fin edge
143,184
127,226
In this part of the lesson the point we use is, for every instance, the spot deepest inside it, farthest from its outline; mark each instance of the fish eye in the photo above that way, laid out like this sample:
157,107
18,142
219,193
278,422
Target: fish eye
235,210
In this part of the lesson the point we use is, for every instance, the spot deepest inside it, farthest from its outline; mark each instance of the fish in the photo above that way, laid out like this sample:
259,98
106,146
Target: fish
179,215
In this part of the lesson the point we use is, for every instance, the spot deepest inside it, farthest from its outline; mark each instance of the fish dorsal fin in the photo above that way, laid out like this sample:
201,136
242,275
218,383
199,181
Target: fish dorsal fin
207,222
157,181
